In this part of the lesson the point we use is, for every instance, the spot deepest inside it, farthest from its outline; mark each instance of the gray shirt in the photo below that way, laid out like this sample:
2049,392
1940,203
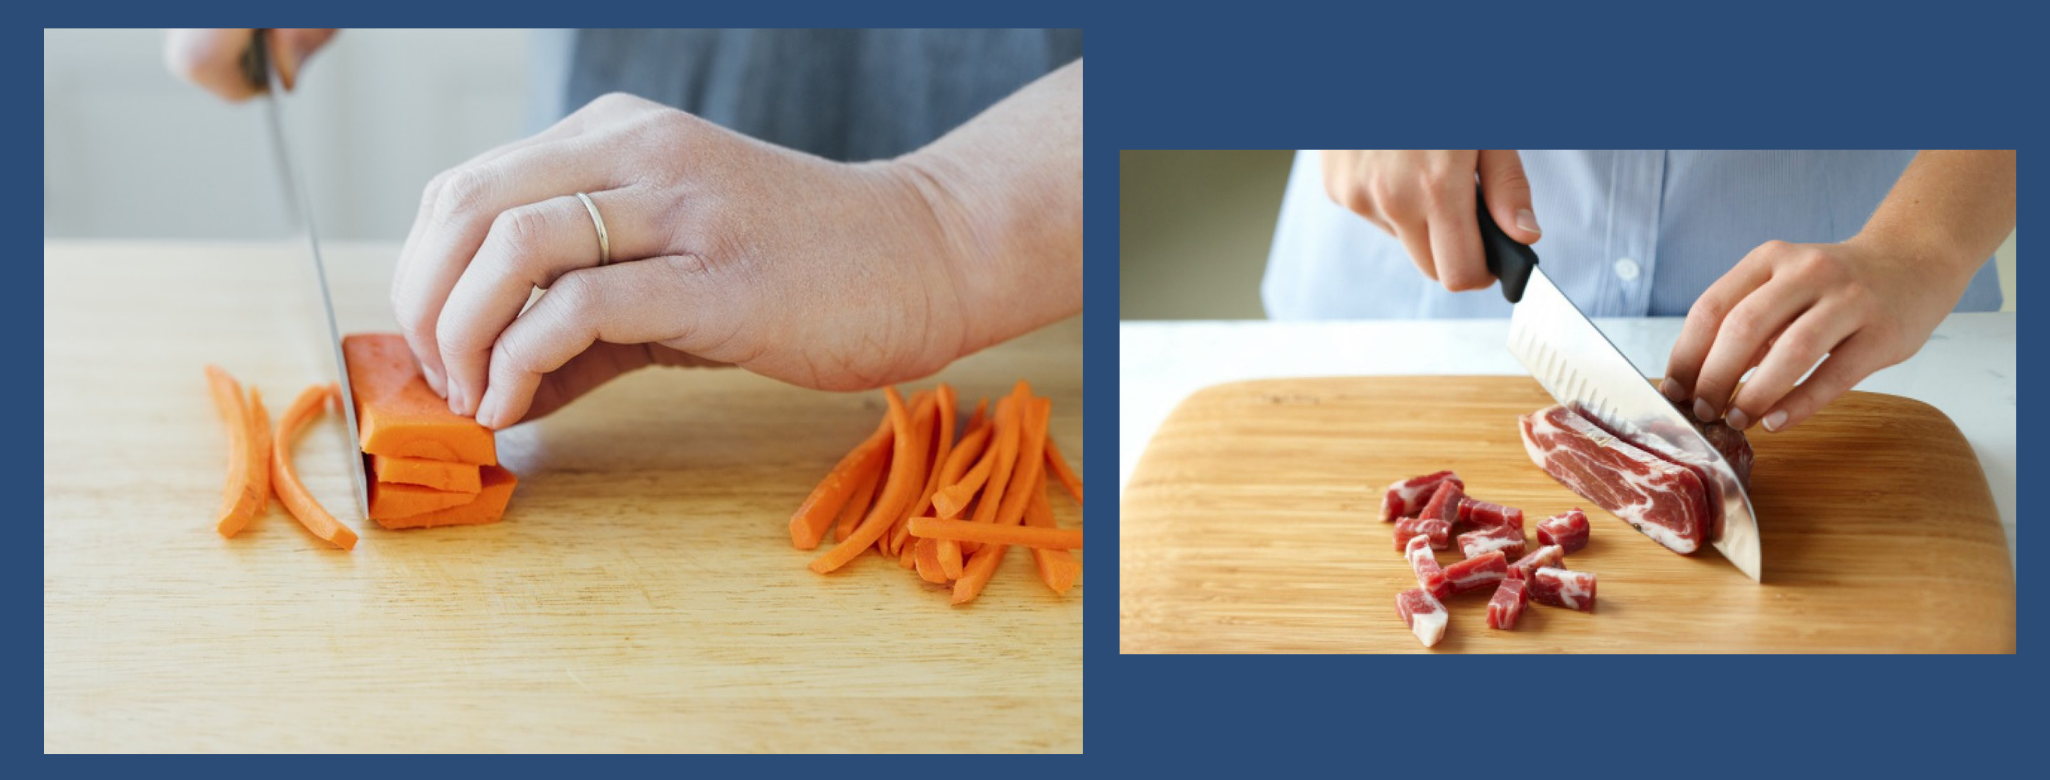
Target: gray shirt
840,94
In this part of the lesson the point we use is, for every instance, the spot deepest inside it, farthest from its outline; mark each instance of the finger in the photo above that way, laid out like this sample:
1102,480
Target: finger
1705,317
467,202
294,46
1416,240
1741,340
1456,236
659,299
1853,360
596,366
1798,348
211,60
1508,194
528,247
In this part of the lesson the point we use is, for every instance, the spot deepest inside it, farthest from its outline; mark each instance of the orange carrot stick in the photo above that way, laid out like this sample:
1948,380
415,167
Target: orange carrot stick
1057,568
259,474
976,573
944,446
864,494
905,466
241,497
1003,450
929,561
809,524
924,425
950,500
1031,463
1007,466
1061,470
292,494
992,533
967,451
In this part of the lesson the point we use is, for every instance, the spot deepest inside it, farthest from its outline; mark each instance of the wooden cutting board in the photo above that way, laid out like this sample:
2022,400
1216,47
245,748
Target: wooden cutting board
1251,524
641,593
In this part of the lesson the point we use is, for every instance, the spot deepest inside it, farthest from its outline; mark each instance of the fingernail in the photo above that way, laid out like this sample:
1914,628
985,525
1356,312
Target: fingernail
487,412
1772,422
1737,419
1527,220
455,400
1672,390
1702,411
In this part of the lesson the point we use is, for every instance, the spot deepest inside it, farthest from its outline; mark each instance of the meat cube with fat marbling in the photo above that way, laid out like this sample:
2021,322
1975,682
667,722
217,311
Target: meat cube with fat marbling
1567,530
1444,503
1484,513
1423,614
1549,555
1563,588
1476,573
1664,499
1429,575
1504,539
1438,531
1406,497
1506,605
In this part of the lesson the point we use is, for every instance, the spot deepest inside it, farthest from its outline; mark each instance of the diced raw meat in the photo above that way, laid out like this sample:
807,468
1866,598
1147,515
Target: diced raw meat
1483,513
1407,496
1429,575
1439,531
1476,573
1568,530
1500,538
1423,614
1563,588
1549,555
1506,605
1444,504
1665,500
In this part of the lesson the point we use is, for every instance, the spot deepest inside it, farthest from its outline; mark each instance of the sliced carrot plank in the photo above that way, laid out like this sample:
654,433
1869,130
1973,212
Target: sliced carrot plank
241,497
808,525
392,500
928,561
1057,568
487,507
1061,470
993,533
292,494
398,414
905,467
438,474
864,495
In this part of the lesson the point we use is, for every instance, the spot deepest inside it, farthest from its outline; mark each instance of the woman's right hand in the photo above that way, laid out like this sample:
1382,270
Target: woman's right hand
1425,199
212,59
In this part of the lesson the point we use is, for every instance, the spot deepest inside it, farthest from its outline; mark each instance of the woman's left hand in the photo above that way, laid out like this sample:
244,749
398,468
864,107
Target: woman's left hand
1866,304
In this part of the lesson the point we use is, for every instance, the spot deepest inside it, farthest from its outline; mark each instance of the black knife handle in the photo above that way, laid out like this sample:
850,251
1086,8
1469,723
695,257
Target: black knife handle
1509,260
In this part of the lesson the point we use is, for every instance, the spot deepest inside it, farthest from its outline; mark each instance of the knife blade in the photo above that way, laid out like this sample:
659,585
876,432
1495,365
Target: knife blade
266,75
1582,369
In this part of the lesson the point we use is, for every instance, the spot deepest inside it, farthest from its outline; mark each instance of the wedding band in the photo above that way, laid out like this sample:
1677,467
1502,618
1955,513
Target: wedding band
604,243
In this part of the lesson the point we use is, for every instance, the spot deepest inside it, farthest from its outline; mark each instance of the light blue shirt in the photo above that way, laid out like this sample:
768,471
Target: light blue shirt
1626,234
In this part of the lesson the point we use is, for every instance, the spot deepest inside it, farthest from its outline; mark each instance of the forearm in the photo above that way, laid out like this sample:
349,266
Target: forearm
1007,190
1950,209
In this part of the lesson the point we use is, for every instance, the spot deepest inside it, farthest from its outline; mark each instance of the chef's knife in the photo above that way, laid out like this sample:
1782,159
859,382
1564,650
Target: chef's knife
1578,365
270,77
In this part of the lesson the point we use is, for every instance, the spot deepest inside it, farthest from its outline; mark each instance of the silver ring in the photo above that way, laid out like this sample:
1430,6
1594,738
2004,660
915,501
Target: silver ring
604,242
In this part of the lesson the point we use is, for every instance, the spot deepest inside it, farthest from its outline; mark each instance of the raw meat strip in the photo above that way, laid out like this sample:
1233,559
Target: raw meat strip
1444,503
1476,573
1562,588
1483,513
1663,499
1568,530
1407,496
1429,575
1439,531
1549,555
1506,605
1423,614
1501,538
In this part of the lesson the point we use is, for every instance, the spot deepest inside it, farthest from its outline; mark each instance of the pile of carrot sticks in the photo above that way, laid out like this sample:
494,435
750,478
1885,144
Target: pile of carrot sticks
260,464
948,508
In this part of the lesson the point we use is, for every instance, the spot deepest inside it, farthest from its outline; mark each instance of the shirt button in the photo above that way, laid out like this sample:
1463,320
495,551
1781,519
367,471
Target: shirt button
1626,269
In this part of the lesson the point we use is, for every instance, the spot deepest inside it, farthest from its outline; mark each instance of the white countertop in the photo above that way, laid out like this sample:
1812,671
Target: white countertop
1966,370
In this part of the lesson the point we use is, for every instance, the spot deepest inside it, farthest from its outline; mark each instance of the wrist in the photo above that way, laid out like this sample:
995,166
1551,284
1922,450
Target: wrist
964,256
1928,251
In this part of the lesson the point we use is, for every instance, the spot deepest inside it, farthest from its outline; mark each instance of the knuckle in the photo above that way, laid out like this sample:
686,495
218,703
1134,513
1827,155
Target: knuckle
519,232
463,191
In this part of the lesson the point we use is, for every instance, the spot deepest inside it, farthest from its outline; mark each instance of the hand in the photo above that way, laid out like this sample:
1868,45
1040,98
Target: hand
1425,199
725,250
1866,303
212,59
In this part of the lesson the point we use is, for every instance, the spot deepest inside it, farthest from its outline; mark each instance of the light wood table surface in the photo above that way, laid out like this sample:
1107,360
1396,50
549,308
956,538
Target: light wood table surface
641,593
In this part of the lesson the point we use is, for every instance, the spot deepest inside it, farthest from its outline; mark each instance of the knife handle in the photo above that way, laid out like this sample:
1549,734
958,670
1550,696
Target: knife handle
1508,259
255,60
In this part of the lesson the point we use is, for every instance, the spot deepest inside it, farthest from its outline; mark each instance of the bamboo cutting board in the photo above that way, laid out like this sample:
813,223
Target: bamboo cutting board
641,593
1251,524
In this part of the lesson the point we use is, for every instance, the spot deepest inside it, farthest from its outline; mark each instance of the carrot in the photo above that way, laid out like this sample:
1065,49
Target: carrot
808,525
944,449
1061,470
1007,454
393,500
438,474
398,413
292,494
488,506
967,451
1057,568
928,561
896,494
1031,465
990,533
259,476
241,497
1003,436
864,493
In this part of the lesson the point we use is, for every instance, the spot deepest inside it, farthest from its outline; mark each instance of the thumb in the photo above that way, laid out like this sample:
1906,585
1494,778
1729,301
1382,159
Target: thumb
1508,194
